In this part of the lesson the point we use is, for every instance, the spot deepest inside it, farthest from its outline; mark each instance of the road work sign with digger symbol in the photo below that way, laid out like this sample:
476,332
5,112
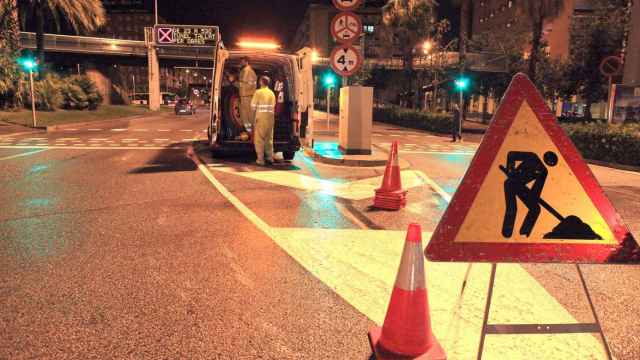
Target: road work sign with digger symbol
528,196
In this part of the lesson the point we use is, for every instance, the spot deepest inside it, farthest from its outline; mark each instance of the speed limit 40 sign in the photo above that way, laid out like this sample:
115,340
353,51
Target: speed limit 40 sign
346,60
346,5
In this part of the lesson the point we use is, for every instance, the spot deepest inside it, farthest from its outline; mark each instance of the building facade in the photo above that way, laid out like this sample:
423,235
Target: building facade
632,56
314,32
503,17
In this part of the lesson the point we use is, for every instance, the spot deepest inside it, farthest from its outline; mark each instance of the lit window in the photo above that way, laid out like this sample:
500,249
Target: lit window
509,3
481,3
481,20
509,24
369,29
491,15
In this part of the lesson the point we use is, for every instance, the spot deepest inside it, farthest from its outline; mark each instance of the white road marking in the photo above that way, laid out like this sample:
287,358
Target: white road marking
164,130
98,139
140,130
160,139
186,130
22,154
118,129
35,139
76,147
129,140
94,129
68,139
72,129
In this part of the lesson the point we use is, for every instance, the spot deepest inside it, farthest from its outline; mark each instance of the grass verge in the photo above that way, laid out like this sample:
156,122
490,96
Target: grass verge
58,117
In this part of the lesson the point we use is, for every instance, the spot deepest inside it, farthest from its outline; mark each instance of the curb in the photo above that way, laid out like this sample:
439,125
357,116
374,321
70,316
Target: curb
614,165
121,122
343,162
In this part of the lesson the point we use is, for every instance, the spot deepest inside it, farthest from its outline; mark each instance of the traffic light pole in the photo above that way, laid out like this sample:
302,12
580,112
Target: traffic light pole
33,99
461,117
328,107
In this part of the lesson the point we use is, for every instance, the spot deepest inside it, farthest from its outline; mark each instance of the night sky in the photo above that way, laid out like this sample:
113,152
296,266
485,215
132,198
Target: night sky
277,19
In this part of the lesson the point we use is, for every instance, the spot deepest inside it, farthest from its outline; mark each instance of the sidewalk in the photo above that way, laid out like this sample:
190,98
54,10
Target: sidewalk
8,129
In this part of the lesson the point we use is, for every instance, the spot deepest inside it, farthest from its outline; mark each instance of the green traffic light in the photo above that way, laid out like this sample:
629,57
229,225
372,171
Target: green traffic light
462,83
329,80
29,64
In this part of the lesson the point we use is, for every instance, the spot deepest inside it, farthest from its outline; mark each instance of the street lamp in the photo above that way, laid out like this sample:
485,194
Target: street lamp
30,64
427,46
329,83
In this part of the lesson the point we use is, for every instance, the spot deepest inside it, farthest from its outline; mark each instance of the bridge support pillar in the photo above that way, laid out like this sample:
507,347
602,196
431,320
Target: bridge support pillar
154,79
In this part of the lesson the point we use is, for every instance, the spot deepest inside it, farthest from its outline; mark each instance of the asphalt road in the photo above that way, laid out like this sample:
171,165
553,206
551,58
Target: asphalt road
115,244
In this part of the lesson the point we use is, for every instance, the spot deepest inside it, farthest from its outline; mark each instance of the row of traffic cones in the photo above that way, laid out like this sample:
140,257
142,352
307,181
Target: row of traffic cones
406,332
390,195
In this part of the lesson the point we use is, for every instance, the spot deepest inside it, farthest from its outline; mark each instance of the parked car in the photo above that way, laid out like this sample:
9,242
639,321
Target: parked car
185,106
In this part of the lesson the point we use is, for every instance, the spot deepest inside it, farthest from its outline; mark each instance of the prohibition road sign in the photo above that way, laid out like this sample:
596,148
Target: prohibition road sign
346,5
346,60
346,26
611,66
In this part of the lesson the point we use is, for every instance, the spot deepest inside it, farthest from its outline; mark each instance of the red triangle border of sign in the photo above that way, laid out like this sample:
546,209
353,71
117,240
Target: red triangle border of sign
442,246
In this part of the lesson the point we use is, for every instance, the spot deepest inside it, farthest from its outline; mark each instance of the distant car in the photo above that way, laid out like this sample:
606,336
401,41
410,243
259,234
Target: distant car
184,106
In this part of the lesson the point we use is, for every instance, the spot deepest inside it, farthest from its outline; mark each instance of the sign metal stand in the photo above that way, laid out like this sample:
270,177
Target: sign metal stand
522,329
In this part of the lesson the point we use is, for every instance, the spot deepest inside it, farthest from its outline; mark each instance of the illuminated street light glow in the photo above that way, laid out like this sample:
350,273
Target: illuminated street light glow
28,64
427,46
462,83
314,56
259,44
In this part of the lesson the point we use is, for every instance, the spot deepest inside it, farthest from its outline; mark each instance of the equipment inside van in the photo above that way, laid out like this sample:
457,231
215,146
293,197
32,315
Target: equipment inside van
225,131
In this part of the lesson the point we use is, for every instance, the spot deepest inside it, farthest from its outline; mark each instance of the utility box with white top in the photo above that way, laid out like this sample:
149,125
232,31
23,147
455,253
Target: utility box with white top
356,120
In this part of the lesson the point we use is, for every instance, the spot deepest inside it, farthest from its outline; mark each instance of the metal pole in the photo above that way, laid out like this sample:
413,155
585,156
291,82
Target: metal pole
33,99
328,108
134,87
460,118
78,69
156,11
609,102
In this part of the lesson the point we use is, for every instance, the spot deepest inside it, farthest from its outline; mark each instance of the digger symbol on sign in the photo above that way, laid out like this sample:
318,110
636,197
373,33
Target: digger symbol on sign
531,169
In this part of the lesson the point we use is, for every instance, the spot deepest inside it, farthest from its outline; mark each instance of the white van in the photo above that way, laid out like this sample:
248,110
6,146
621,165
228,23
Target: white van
223,128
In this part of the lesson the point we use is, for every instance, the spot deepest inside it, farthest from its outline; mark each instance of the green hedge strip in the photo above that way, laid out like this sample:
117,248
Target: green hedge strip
597,141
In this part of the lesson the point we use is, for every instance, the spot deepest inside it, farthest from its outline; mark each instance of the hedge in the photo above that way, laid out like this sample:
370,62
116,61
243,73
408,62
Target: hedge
596,141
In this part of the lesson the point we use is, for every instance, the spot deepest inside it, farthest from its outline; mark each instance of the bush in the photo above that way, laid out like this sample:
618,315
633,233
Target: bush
90,90
46,92
611,143
415,119
80,93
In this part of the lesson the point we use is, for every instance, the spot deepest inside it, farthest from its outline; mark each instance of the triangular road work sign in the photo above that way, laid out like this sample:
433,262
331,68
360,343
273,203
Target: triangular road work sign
528,196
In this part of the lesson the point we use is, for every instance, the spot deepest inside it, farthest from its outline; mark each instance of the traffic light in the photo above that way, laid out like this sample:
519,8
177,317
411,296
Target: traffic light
462,83
329,80
28,63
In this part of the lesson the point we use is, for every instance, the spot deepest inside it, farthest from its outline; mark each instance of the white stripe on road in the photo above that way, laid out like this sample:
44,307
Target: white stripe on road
186,130
98,139
68,139
94,129
160,139
22,154
163,130
140,130
35,139
118,129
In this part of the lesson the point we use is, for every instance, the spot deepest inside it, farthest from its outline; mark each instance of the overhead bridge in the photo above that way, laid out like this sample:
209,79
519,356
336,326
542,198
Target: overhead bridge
113,47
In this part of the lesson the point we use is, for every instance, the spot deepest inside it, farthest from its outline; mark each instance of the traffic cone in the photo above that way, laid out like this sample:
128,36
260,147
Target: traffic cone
390,195
406,332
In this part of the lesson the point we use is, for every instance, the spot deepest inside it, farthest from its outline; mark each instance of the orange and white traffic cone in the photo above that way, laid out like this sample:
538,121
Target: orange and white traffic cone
390,195
406,332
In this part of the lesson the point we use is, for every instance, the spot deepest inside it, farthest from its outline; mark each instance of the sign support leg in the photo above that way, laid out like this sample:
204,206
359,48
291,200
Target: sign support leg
593,311
487,309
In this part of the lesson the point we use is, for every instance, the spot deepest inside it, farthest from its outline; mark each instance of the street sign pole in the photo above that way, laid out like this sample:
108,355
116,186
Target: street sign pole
328,107
33,99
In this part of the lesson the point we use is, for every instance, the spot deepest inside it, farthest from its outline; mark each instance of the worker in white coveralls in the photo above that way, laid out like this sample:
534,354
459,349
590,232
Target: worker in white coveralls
247,87
263,103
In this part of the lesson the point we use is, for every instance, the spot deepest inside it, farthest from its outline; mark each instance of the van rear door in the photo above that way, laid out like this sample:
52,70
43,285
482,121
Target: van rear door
216,85
304,79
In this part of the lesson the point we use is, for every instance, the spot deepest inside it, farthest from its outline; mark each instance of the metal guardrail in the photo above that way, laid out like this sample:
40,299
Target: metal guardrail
106,46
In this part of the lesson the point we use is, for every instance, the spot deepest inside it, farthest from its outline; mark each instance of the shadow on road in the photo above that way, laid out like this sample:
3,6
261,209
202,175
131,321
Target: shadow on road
168,160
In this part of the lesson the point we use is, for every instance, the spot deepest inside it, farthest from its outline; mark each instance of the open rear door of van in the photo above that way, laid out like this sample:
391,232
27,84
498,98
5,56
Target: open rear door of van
221,56
304,79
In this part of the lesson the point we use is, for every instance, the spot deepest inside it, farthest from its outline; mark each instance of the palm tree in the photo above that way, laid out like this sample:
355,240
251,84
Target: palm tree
539,11
9,51
407,24
82,15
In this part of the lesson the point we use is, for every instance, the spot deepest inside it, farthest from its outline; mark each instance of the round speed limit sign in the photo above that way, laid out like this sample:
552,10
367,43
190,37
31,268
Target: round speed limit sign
346,5
346,60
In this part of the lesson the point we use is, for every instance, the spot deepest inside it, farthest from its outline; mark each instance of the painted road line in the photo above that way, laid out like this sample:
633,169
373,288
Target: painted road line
69,139
72,129
75,147
163,130
360,266
435,187
140,130
160,140
35,139
186,130
437,152
98,139
118,129
22,154
94,129
18,134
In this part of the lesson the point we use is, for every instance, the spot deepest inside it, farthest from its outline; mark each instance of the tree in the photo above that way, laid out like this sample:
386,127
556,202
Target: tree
539,11
82,15
601,36
465,21
409,23
9,52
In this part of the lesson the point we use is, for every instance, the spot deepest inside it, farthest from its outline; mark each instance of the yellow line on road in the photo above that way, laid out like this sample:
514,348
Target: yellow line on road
22,154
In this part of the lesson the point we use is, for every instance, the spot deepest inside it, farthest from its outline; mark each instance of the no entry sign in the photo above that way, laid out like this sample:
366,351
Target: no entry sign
611,66
346,60
346,27
528,196
346,5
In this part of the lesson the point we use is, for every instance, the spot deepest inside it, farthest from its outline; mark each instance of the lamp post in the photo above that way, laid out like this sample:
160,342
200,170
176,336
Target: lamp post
30,65
156,11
